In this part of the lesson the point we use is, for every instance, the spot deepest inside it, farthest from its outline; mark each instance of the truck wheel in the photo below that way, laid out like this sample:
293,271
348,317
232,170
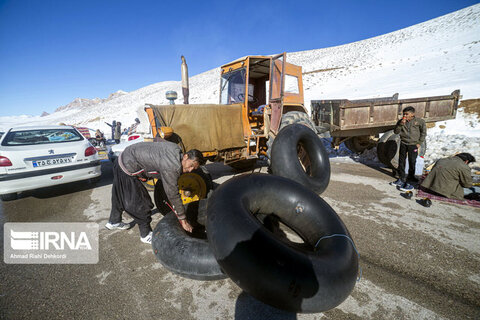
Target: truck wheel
9,196
298,154
188,255
313,279
359,144
291,118
200,181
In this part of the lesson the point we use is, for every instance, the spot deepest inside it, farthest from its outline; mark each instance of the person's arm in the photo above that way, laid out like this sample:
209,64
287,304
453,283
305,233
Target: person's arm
170,184
466,178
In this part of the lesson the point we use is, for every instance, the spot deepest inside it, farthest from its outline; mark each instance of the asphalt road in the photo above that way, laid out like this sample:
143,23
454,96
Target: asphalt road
417,263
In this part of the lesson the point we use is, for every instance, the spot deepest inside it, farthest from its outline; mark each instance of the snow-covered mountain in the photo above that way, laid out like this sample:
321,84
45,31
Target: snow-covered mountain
432,58
81,103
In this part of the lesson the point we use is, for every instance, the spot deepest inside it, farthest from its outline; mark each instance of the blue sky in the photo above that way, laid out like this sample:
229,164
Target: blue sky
52,52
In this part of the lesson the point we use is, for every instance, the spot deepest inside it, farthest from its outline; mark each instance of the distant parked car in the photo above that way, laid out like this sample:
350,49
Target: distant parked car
36,157
115,149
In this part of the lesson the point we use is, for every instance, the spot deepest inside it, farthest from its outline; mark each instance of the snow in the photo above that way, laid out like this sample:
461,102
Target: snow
432,58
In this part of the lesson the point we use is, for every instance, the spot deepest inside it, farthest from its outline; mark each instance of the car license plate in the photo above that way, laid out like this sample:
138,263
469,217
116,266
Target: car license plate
50,162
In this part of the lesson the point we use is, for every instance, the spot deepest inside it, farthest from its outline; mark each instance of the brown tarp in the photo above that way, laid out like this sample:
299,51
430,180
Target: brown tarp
206,127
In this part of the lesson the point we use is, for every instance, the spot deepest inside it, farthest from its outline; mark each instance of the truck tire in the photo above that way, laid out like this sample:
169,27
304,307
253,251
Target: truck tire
159,195
188,255
288,119
299,154
388,149
264,265
359,144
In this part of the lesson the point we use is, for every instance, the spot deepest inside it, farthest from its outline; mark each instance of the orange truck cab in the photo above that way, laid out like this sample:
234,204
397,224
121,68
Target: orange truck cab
239,127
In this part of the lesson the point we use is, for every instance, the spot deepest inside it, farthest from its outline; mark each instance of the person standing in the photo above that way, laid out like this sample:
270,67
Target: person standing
412,131
118,132
139,162
450,175
112,127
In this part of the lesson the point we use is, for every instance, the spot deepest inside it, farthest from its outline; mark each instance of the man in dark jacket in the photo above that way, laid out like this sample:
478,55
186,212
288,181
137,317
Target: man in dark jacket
118,132
412,133
163,160
112,126
450,175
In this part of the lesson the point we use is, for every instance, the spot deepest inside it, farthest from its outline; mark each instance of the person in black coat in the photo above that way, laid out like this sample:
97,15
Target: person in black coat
112,126
162,160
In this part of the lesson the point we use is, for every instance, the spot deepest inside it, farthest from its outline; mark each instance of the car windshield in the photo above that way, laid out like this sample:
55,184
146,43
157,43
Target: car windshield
233,87
40,136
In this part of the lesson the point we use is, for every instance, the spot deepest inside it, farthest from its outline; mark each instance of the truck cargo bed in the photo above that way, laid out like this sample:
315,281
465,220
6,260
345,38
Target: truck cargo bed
344,118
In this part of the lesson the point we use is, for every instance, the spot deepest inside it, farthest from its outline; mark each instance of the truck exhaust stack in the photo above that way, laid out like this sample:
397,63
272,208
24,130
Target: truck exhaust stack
185,89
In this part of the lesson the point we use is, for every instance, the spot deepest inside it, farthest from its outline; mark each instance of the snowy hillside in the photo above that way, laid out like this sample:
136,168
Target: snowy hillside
432,58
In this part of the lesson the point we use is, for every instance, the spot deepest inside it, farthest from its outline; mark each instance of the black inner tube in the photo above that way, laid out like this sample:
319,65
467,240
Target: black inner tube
285,160
269,268
186,254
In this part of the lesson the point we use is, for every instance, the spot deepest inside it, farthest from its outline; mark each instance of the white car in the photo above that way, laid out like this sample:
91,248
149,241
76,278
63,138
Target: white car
36,157
115,149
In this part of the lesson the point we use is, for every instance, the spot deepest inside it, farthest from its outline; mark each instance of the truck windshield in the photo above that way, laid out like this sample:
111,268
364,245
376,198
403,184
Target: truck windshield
233,87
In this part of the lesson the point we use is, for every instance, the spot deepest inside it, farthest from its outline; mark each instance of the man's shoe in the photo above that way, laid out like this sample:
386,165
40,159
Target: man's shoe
397,183
147,238
118,226
406,187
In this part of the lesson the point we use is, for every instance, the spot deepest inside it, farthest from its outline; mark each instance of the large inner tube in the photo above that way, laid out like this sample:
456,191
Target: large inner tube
289,118
188,255
298,154
388,148
382,148
265,265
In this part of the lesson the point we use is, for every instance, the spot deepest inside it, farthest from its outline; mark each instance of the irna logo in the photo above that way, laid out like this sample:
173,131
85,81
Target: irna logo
49,240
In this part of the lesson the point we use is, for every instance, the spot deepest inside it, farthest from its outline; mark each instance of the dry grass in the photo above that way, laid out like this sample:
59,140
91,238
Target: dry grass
471,106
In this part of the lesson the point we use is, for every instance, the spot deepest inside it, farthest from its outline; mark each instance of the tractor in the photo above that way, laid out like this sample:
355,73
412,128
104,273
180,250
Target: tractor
243,126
